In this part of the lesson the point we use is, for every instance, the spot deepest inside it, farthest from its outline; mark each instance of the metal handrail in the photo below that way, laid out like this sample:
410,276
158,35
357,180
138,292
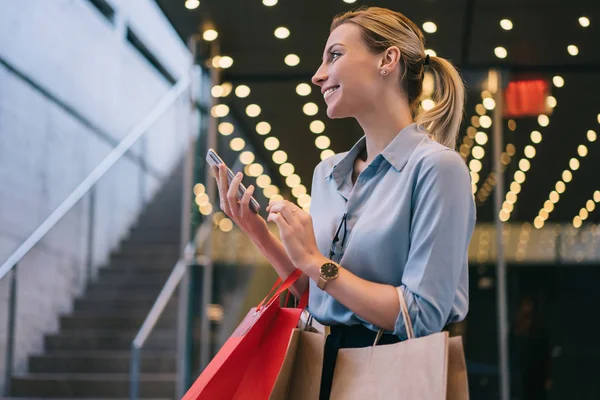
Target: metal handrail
161,301
93,178
84,187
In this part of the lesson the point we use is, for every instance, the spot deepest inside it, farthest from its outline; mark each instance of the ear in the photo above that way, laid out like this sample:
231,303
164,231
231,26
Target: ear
390,59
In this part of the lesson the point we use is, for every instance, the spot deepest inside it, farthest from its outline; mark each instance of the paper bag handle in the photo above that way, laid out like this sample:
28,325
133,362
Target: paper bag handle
290,280
405,316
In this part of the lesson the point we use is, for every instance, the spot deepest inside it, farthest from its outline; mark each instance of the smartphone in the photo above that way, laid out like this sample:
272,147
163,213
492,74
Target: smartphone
213,159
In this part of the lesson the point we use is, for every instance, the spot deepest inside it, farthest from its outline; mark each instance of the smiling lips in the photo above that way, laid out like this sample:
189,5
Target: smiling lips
329,92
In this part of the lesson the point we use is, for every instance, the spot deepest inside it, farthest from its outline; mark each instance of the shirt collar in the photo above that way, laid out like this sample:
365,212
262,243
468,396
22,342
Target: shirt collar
396,153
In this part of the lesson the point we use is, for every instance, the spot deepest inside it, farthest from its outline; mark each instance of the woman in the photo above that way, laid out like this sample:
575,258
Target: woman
395,212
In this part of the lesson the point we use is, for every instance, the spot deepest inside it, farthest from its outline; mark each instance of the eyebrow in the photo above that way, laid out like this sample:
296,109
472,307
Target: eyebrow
330,47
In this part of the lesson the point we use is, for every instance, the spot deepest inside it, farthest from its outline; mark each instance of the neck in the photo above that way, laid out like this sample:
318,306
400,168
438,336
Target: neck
382,123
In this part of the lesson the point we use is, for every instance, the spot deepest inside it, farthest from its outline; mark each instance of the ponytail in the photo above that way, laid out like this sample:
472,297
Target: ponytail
444,119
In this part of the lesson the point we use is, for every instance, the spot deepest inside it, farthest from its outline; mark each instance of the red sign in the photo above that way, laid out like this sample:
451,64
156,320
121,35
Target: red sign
526,98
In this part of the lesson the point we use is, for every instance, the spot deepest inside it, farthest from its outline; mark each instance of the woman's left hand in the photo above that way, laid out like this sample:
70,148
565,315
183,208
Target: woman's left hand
296,231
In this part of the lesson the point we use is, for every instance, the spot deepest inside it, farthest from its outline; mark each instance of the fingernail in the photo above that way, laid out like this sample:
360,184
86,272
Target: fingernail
239,174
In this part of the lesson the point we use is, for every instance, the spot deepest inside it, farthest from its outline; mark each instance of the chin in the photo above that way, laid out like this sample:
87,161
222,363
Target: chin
336,112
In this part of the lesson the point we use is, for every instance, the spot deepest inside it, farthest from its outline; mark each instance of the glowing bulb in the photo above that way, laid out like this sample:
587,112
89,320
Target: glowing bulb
299,190
427,104
574,164
536,137
560,187
225,62
582,150
303,89
292,60
271,143
226,128
554,196
242,91
584,21
256,170
286,169
192,4
529,151
220,111
430,53
567,176
591,136
429,27
310,109
551,101
489,103
577,222
263,128
279,157
500,52
269,3
282,32
481,138
558,81
292,181
478,152
210,34
322,142
475,165
237,144
506,24
253,110
247,157
520,177
573,50
317,127
543,120
524,164
325,154
485,121
263,181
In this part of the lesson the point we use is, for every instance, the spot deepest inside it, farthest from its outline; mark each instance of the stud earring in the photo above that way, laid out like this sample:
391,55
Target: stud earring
384,72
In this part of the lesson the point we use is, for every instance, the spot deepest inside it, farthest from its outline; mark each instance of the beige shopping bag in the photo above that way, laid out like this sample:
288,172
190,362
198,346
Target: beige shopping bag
427,368
300,374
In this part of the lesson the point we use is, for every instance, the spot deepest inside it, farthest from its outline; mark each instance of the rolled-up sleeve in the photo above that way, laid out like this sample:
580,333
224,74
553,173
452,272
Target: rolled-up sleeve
443,217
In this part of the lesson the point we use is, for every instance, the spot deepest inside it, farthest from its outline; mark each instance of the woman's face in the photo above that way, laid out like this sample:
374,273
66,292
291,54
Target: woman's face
349,74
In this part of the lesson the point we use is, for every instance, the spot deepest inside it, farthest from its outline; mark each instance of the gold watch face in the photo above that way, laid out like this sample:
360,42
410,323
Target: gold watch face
329,270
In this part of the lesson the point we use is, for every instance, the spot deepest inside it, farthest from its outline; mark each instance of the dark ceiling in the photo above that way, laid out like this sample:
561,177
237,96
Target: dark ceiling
468,31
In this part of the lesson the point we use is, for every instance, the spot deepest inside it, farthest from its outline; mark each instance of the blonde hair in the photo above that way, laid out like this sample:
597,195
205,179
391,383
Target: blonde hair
382,28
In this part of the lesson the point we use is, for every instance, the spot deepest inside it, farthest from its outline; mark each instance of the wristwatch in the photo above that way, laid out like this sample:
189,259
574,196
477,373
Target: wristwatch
329,272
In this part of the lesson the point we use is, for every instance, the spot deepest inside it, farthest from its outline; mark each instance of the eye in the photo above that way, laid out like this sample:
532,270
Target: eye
334,54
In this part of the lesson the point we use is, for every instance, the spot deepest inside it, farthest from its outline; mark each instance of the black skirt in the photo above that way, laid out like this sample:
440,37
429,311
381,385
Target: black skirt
341,337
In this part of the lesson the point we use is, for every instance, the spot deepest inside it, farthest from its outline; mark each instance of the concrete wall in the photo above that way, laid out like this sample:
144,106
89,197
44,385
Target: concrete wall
71,87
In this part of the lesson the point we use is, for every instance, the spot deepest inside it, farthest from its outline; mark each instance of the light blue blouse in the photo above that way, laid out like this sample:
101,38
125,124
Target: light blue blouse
410,217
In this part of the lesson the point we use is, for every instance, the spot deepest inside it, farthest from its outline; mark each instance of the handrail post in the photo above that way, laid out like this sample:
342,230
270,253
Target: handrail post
134,386
90,235
10,330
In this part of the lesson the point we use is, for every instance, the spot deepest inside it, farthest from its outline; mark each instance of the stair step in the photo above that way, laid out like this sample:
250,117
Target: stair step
113,362
123,277
120,296
87,321
128,285
133,270
144,259
87,305
163,233
150,251
109,340
91,385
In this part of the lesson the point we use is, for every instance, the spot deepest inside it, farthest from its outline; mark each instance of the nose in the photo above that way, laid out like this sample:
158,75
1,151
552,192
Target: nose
320,76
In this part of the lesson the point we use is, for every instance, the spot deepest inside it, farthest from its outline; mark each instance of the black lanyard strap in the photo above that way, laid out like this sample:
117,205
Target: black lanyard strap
337,237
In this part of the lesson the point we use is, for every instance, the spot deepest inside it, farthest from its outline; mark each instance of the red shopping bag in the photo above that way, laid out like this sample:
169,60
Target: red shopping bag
248,363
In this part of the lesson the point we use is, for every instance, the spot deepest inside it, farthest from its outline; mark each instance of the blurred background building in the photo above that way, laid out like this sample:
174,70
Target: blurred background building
119,275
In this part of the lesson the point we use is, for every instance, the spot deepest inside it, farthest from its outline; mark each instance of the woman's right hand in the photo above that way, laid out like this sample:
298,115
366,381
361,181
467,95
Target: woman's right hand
239,211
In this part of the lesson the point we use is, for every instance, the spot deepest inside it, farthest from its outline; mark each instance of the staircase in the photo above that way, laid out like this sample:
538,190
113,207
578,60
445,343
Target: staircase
90,356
